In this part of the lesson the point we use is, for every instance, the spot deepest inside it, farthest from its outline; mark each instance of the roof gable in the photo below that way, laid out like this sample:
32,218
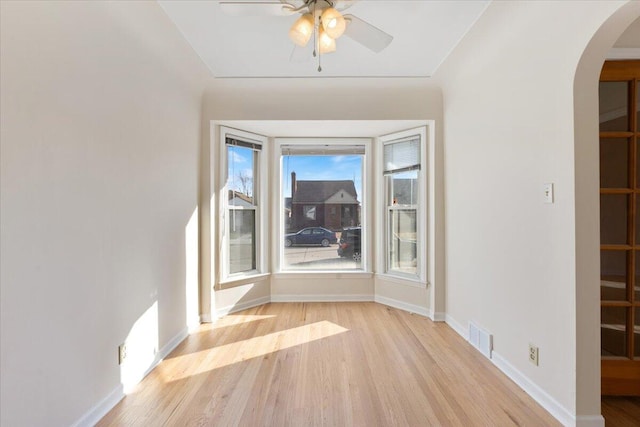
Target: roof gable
237,198
342,197
320,191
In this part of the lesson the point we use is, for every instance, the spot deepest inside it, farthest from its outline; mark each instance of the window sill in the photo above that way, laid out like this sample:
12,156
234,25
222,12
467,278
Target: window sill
401,280
323,275
233,281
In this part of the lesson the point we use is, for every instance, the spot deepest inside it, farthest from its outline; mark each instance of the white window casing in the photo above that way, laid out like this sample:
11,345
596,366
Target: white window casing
328,147
243,205
402,205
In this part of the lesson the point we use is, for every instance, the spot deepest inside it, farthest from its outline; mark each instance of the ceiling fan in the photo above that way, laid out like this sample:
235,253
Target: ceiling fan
320,21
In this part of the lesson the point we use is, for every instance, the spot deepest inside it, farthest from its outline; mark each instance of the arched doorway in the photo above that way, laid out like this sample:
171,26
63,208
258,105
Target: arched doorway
587,205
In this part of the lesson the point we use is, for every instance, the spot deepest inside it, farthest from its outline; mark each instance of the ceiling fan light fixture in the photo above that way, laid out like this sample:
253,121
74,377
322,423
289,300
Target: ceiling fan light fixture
333,23
302,30
326,44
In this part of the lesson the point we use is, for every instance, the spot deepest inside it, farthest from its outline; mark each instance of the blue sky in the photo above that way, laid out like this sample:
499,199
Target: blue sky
322,168
306,167
239,164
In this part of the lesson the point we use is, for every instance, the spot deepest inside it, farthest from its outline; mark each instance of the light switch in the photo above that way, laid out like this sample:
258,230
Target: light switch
548,193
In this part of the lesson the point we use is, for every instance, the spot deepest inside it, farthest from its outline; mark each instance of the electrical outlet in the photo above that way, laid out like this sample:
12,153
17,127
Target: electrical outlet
122,353
533,354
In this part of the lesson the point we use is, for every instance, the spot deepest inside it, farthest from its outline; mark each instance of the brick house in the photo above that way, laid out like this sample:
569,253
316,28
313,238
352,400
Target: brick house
329,204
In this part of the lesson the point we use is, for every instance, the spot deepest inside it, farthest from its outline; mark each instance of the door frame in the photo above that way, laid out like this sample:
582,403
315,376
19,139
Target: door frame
621,376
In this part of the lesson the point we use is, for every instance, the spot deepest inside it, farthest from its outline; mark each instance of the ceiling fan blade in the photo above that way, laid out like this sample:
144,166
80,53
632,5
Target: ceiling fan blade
256,8
366,34
341,5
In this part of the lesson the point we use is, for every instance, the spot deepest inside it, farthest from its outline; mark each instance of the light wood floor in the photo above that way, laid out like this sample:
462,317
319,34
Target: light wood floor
326,364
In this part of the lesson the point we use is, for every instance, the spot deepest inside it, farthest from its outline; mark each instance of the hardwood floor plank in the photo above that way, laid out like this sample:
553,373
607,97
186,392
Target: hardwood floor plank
326,364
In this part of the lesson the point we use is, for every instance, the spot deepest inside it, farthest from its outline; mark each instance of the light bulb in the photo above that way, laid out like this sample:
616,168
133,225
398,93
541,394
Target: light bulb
333,23
326,44
302,30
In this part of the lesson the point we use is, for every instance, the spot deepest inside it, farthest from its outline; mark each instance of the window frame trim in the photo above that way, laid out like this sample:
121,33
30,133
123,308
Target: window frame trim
311,144
260,206
423,213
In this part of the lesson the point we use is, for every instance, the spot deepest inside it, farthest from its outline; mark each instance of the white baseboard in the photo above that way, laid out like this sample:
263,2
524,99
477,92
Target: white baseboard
401,305
160,355
438,316
221,312
96,413
538,394
453,323
532,389
168,348
411,308
321,298
205,318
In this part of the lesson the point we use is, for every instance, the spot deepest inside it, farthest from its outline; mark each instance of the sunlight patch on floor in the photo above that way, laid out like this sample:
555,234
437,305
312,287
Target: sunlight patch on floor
232,319
217,357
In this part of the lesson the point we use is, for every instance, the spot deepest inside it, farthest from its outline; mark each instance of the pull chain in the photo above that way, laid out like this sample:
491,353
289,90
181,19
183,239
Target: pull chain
319,50
316,45
315,31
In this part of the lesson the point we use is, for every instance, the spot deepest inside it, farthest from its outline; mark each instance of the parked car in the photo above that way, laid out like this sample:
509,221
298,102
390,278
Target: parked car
349,244
311,236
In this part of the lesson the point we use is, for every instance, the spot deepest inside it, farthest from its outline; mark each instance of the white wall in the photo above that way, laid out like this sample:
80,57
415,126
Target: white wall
403,294
100,135
333,99
508,93
244,294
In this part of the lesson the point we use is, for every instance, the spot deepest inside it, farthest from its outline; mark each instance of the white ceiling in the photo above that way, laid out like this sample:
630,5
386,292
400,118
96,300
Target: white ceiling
424,32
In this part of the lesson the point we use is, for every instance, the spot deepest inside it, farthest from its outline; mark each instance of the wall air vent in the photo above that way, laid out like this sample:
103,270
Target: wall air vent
480,339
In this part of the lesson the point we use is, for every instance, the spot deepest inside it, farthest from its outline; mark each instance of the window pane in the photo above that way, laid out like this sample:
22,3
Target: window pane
309,213
403,236
322,211
404,188
638,162
637,284
637,105
636,337
401,155
613,219
614,108
614,162
242,240
613,275
240,171
637,220
613,329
